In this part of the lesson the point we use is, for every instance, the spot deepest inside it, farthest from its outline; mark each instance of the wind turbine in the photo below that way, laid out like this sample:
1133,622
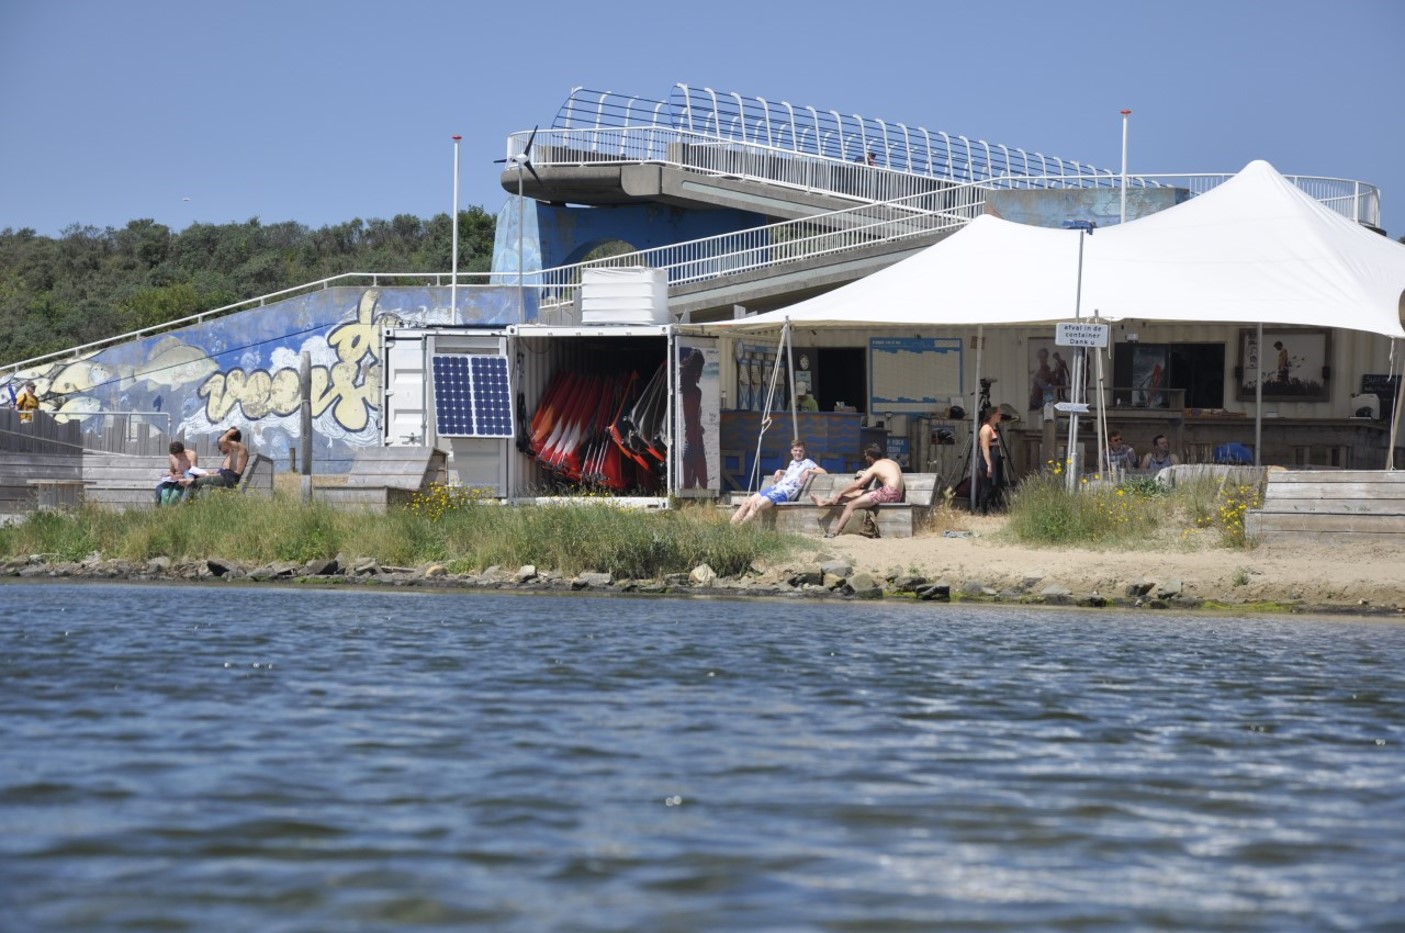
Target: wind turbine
522,160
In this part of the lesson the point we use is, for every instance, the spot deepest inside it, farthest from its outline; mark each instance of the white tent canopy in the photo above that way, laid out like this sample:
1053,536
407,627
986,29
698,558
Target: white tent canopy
1254,249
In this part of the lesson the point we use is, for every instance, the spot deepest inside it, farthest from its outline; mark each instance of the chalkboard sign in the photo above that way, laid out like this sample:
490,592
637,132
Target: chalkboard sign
1387,388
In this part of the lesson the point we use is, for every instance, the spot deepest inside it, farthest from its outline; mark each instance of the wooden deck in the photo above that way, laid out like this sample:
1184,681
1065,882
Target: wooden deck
1339,503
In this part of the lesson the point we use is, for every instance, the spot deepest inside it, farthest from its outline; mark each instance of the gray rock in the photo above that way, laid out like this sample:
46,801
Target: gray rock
1056,590
803,578
160,564
436,570
976,588
591,580
1169,590
321,567
863,585
833,581
935,591
702,575
526,573
908,583
220,567
1139,589
840,568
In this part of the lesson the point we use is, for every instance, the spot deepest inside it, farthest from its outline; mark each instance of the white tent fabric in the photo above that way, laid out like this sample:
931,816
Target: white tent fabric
1253,249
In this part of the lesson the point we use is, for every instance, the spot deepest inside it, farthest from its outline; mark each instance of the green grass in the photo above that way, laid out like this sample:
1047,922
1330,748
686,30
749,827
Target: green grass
1137,514
467,536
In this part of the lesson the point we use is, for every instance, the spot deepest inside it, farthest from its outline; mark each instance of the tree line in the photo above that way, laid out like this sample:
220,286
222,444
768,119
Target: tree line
90,284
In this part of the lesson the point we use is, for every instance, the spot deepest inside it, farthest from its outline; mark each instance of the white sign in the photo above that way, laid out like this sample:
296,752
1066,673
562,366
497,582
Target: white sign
1080,335
1076,408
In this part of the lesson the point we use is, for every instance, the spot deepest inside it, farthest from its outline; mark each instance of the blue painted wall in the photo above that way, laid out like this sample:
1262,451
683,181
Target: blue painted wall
561,235
1050,208
243,370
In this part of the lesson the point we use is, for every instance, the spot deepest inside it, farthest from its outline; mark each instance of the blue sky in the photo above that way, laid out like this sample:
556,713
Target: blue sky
319,111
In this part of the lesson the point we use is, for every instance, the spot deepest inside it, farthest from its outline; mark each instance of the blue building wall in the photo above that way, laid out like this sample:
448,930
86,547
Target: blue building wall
1051,207
556,235
243,370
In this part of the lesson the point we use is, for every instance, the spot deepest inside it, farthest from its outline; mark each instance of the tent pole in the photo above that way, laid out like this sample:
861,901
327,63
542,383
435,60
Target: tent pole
766,412
1103,465
976,419
1071,457
1259,395
788,336
1399,404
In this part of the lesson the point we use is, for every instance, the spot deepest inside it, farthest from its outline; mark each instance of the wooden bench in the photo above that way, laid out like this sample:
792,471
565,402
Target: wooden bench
895,520
17,468
124,481
381,477
51,494
1345,504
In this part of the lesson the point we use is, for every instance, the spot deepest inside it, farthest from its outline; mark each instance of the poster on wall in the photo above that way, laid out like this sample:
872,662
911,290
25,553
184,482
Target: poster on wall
1292,367
1049,375
696,468
755,366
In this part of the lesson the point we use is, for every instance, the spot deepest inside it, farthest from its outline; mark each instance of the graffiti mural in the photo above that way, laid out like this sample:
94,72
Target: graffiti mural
243,370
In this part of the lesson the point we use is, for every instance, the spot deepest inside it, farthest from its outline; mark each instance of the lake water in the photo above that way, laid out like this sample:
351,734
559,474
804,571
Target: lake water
226,759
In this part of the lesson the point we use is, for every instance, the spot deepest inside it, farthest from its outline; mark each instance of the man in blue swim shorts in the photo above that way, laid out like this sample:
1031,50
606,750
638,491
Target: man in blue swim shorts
785,486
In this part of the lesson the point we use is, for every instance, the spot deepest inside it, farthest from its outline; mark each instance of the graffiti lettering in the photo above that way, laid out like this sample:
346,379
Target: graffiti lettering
261,393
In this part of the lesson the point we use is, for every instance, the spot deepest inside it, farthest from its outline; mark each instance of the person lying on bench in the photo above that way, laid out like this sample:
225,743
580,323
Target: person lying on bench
236,457
887,472
785,485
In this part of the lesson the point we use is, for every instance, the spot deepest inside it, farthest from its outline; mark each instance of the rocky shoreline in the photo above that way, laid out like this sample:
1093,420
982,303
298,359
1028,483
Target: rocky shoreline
820,577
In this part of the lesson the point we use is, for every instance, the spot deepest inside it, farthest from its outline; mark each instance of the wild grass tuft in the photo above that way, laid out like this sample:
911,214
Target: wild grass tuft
1138,513
468,533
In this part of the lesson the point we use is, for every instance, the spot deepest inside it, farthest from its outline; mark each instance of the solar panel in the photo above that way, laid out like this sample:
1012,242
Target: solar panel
471,396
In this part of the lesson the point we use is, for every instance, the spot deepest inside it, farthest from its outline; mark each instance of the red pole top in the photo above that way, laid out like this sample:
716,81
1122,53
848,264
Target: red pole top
457,138
1125,113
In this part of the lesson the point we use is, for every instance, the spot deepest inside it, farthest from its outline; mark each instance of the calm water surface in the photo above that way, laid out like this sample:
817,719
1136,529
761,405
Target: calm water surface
287,760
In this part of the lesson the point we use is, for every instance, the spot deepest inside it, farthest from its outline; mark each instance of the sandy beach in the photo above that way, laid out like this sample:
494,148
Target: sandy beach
1362,576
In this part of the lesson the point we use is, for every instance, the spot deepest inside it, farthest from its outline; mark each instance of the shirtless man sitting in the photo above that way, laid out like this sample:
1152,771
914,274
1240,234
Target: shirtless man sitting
176,484
888,472
236,458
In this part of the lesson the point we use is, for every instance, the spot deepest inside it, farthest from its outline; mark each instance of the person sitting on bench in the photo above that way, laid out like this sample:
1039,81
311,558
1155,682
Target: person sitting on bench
785,485
236,458
887,472
182,470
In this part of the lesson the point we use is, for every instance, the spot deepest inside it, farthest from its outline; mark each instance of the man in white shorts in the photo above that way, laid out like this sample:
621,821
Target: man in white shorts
785,487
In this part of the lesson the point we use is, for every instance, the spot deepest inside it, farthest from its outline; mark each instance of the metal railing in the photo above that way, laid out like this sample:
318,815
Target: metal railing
848,155
371,279
779,244
779,125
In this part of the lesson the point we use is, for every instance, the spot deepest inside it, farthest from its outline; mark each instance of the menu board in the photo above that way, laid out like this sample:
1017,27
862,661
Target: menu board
1387,388
914,374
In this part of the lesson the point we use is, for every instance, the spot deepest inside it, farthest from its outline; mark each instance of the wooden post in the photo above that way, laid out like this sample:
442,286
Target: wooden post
305,388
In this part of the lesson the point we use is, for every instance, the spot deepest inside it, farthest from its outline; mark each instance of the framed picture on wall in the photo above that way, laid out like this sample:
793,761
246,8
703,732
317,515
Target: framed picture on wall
1295,364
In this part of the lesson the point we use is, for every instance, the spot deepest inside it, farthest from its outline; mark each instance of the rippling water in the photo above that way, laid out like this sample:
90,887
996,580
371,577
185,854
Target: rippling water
288,760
